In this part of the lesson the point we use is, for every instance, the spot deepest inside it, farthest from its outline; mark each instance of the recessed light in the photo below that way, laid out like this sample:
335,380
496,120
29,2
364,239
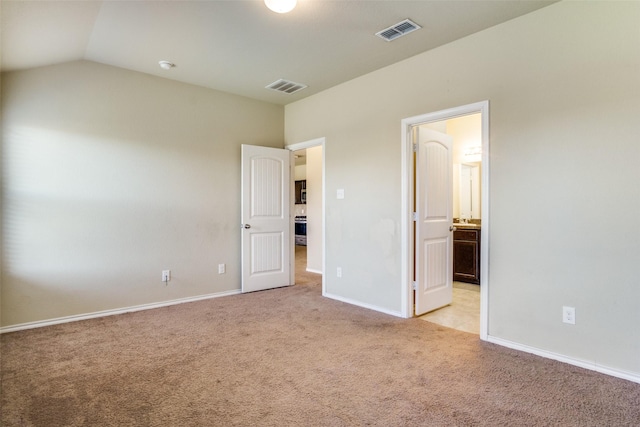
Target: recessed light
166,65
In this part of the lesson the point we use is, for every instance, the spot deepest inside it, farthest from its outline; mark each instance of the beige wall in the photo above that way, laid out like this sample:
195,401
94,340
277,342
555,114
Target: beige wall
112,176
466,133
300,172
564,98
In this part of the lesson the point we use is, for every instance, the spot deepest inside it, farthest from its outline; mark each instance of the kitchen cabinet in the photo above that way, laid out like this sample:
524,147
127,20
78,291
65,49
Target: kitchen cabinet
301,191
466,255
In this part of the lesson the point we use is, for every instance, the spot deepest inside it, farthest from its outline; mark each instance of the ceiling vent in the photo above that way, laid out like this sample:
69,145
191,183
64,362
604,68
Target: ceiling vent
286,86
400,29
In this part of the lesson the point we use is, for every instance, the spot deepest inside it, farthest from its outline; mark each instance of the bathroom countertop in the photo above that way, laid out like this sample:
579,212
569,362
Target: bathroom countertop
472,226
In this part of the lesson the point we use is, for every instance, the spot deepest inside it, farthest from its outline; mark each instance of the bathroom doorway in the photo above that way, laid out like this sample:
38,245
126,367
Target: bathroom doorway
463,313
470,153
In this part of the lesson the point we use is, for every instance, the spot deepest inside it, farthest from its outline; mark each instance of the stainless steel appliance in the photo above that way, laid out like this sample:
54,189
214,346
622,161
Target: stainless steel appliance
301,230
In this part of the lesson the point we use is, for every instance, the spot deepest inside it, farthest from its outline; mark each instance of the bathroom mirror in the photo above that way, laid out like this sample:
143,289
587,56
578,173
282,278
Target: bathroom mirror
470,191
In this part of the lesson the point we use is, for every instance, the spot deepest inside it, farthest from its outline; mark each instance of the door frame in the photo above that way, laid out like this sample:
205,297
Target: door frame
301,146
406,230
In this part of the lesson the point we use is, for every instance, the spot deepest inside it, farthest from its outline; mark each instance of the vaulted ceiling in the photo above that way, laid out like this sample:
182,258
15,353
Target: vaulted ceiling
239,46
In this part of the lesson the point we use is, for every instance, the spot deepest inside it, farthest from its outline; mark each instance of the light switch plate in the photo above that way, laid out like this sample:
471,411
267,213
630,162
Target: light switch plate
166,275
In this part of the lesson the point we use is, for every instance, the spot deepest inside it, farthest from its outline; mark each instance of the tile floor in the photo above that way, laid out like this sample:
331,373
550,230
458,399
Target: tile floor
464,312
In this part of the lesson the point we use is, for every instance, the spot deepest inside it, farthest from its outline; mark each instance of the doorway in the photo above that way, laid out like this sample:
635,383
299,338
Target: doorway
409,167
308,211
463,312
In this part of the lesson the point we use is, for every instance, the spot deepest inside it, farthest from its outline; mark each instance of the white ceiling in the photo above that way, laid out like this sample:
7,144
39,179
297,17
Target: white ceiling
240,46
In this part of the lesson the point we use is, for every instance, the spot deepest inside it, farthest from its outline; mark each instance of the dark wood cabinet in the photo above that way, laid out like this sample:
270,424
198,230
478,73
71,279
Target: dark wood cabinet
466,255
301,191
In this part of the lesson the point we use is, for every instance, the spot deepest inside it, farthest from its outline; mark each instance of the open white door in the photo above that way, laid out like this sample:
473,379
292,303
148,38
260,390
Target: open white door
266,222
433,226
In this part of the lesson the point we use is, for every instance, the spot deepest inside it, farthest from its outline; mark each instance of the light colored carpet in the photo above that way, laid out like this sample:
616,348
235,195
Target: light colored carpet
289,357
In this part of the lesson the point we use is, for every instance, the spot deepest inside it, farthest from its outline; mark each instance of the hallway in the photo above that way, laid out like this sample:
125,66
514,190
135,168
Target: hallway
302,276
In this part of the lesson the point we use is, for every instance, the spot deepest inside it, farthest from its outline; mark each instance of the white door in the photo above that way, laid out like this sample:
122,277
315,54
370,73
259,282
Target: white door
433,236
266,223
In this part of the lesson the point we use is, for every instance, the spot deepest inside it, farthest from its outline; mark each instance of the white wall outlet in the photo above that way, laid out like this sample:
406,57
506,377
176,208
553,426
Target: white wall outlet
339,271
166,275
222,268
340,193
569,315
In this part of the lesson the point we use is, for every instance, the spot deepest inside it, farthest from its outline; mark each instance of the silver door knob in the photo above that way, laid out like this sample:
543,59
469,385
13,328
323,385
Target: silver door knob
452,228
246,226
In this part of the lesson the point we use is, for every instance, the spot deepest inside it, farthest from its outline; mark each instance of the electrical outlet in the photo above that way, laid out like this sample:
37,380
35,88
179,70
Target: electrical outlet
221,268
339,271
166,275
569,315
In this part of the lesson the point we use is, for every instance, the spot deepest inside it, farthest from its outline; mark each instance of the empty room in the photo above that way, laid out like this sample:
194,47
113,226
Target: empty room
151,207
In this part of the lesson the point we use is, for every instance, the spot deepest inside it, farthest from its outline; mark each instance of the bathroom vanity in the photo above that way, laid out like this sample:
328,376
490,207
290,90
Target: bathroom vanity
466,253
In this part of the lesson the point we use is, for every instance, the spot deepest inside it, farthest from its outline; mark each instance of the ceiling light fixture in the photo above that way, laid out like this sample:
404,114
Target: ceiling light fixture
281,6
166,65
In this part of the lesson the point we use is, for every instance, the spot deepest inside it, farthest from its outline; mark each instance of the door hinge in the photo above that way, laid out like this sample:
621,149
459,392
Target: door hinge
414,285
414,216
415,148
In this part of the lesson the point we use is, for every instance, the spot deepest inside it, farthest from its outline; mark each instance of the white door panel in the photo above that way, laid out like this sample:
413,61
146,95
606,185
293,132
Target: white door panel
433,246
266,221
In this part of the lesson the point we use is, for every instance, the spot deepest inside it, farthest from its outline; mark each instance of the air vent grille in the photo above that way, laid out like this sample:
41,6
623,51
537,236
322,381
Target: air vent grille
398,30
286,86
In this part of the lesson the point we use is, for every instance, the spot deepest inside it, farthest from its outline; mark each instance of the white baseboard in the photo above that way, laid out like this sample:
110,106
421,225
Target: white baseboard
312,270
361,304
74,318
618,373
630,376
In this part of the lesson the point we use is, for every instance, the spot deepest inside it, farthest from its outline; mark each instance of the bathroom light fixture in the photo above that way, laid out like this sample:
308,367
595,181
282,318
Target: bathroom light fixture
166,65
281,6
473,151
